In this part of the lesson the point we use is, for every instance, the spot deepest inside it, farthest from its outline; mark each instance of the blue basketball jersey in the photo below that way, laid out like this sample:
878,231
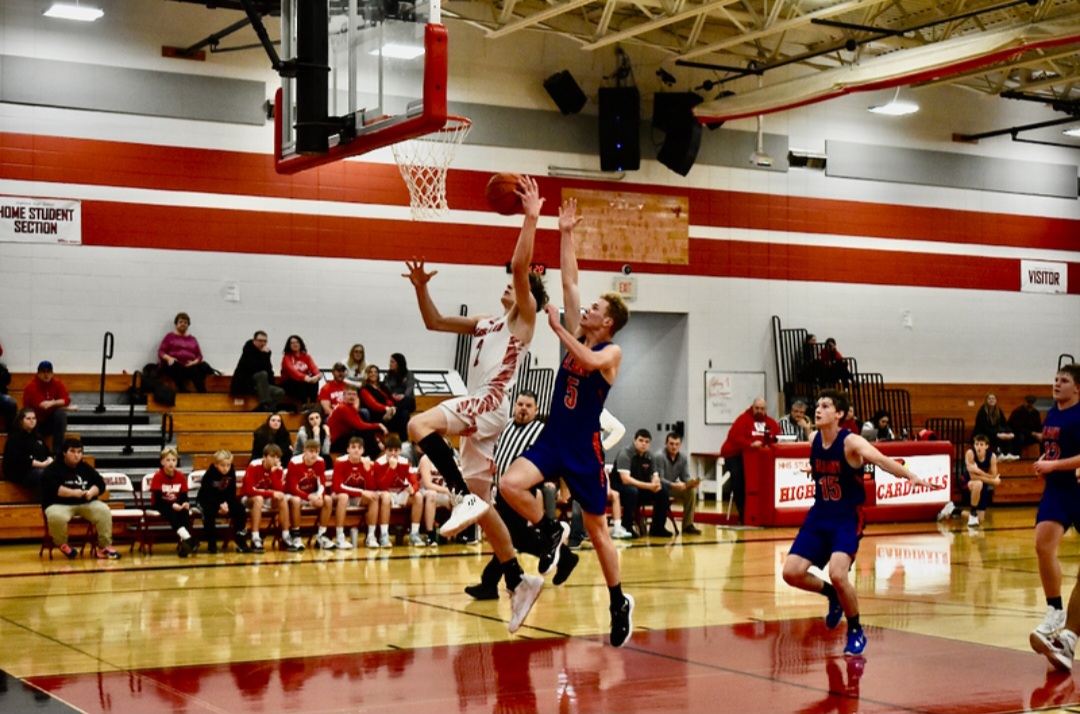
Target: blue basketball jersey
838,486
1061,440
576,403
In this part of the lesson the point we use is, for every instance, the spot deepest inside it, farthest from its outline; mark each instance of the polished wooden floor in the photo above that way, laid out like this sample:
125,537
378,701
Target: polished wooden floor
947,609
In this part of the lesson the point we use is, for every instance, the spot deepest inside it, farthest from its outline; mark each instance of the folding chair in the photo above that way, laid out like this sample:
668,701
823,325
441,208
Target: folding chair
124,505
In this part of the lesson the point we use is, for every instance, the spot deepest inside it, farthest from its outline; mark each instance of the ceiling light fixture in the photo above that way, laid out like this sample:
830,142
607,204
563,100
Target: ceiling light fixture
396,51
895,108
1072,132
67,11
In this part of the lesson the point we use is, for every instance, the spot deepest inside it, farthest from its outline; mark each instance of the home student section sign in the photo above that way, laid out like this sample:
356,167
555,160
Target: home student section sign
40,220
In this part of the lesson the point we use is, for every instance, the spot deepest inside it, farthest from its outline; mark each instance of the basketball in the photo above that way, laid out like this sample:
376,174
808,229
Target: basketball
500,194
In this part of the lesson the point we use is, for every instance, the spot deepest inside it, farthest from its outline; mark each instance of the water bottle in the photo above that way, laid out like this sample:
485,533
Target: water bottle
354,536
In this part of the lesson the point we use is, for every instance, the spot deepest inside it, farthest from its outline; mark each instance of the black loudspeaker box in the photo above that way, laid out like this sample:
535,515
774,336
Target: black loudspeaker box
671,108
565,91
620,114
681,146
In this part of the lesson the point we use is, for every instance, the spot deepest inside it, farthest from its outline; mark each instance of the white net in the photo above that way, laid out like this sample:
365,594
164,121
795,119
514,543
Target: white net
423,162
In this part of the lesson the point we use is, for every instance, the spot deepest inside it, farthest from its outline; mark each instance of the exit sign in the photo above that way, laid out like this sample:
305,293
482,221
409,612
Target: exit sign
626,285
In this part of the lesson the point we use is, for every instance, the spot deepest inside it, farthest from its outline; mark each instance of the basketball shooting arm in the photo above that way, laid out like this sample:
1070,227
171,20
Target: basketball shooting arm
856,445
433,319
568,220
523,314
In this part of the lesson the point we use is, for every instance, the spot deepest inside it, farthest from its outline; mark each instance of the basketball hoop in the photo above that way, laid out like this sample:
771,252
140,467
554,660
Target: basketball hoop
423,162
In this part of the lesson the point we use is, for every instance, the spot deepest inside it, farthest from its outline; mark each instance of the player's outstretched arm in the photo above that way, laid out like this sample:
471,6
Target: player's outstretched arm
433,319
521,263
866,450
568,220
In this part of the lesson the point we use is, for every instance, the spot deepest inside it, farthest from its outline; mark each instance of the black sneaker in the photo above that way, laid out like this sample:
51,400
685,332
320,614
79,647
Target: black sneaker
622,622
184,549
567,562
552,545
482,592
242,544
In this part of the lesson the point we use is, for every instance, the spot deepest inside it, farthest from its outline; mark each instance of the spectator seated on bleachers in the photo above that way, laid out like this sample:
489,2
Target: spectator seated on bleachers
273,431
181,359
300,375
879,428
25,454
312,429
990,420
831,367
254,374
46,394
399,381
1026,423
381,405
345,422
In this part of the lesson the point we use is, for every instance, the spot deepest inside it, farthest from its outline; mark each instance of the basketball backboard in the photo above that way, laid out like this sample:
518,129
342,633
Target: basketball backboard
383,79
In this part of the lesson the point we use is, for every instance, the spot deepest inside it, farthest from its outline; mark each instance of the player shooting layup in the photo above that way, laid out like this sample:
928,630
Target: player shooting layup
499,344
569,446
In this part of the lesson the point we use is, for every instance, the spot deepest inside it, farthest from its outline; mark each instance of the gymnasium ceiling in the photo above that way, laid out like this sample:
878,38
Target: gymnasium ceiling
1024,50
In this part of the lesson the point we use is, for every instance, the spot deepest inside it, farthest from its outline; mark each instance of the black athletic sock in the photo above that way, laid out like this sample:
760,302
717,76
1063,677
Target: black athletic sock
1055,602
492,573
442,456
829,591
615,593
853,623
511,570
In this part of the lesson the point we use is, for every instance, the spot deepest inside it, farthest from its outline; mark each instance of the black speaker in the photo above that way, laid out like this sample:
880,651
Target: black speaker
565,91
681,146
620,114
670,108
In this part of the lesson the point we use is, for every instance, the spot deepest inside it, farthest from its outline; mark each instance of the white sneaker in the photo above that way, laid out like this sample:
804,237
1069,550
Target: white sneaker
973,521
522,599
946,511
417,540
467,509
342,543
1059,649
324,543
372,541
1053,621
620,533
384,541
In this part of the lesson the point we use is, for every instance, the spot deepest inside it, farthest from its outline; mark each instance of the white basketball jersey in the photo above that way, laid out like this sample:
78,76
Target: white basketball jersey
495,357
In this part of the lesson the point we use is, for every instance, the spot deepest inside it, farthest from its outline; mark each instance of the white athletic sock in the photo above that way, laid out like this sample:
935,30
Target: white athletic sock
183,533
255,535
415,529
384,529
322,531
371,530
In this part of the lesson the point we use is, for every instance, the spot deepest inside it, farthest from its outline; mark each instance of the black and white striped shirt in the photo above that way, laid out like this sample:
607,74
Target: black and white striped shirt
513,441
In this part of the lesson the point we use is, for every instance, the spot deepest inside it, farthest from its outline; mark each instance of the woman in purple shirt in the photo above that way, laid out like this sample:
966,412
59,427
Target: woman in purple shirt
180,358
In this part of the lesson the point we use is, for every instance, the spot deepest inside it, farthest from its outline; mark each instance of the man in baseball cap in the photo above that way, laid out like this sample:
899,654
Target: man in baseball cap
49,399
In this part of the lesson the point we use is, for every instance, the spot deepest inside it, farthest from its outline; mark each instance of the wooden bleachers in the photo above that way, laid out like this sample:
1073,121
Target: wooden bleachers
963,401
